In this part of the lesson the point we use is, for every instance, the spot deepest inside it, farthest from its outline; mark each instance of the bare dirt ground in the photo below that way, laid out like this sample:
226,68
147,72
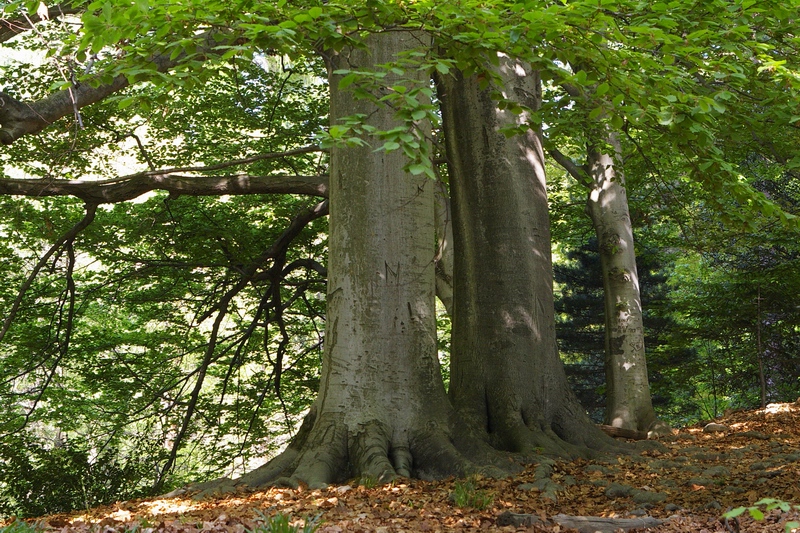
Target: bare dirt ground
688,482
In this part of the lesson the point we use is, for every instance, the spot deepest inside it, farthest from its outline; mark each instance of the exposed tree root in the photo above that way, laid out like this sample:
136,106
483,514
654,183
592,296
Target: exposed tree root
331,453
623,433
587,524
565,434
326,451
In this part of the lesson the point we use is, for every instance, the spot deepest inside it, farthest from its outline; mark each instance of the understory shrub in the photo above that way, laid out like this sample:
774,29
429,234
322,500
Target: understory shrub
38,479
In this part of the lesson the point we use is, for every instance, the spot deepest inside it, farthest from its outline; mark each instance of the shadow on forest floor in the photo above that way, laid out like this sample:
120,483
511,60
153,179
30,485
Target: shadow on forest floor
690,483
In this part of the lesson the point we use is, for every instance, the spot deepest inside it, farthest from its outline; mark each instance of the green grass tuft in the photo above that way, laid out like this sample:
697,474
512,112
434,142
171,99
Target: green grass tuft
466,494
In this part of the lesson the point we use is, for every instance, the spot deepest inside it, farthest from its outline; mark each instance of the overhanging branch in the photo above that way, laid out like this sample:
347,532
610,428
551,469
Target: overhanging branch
277,250
578,172
11,27
23,118
130,187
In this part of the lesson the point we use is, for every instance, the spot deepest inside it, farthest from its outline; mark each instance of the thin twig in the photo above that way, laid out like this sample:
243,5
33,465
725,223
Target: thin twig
91,210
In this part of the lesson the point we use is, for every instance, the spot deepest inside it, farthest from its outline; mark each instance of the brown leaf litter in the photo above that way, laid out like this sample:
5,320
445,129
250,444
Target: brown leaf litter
690,482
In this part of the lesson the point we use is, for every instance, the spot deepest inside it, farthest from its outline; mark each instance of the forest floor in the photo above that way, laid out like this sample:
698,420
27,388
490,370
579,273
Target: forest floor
689,483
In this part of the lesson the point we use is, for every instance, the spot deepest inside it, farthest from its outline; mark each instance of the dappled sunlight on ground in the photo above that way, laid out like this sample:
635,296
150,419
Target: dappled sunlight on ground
689,481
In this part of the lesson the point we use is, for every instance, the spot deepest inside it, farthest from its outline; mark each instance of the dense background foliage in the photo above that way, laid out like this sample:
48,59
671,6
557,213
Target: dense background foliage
179,338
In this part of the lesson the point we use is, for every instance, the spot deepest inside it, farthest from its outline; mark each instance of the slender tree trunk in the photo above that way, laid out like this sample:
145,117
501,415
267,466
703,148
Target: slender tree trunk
444,243
382,409
762,378
506,376
627,389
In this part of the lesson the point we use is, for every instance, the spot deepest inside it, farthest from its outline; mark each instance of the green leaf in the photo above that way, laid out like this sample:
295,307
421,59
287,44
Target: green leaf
733,513
391,145
697,34
125,102
665,117
596,112
417,168
602,89
337,131
419,114
348,80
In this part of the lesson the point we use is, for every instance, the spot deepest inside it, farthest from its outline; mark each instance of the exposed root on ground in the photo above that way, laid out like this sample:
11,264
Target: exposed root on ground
326,451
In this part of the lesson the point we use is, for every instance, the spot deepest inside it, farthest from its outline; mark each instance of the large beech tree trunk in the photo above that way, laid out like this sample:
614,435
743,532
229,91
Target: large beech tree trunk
628,403
382,409
506,377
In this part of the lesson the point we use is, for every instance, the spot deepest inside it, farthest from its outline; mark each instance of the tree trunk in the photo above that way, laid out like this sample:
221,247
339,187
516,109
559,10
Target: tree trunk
382,409
628,403
506,377
444,243
762,378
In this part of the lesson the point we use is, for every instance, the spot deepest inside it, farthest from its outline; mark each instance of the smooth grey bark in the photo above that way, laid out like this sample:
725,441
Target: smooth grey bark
444,243
382,409
628,400
506,377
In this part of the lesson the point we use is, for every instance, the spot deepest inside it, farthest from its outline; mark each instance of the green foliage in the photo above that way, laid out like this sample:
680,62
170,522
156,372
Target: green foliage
738,319
281,523
368,482
768,504
39,479
466,494
444,328
114,376
114,344
19,526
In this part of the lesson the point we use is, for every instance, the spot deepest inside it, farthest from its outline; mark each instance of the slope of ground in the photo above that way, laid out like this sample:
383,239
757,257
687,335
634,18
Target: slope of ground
689,481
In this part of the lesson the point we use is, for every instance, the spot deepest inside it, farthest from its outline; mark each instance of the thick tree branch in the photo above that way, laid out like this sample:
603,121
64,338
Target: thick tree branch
130,187
11,27
23,118
578,172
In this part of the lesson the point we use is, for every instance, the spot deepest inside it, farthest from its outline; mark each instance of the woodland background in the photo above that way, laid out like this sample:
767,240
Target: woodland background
106,353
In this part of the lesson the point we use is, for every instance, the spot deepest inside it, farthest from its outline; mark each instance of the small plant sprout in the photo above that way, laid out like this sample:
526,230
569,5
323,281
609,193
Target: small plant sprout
367,481
769,504
20,526
282,523
466,494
